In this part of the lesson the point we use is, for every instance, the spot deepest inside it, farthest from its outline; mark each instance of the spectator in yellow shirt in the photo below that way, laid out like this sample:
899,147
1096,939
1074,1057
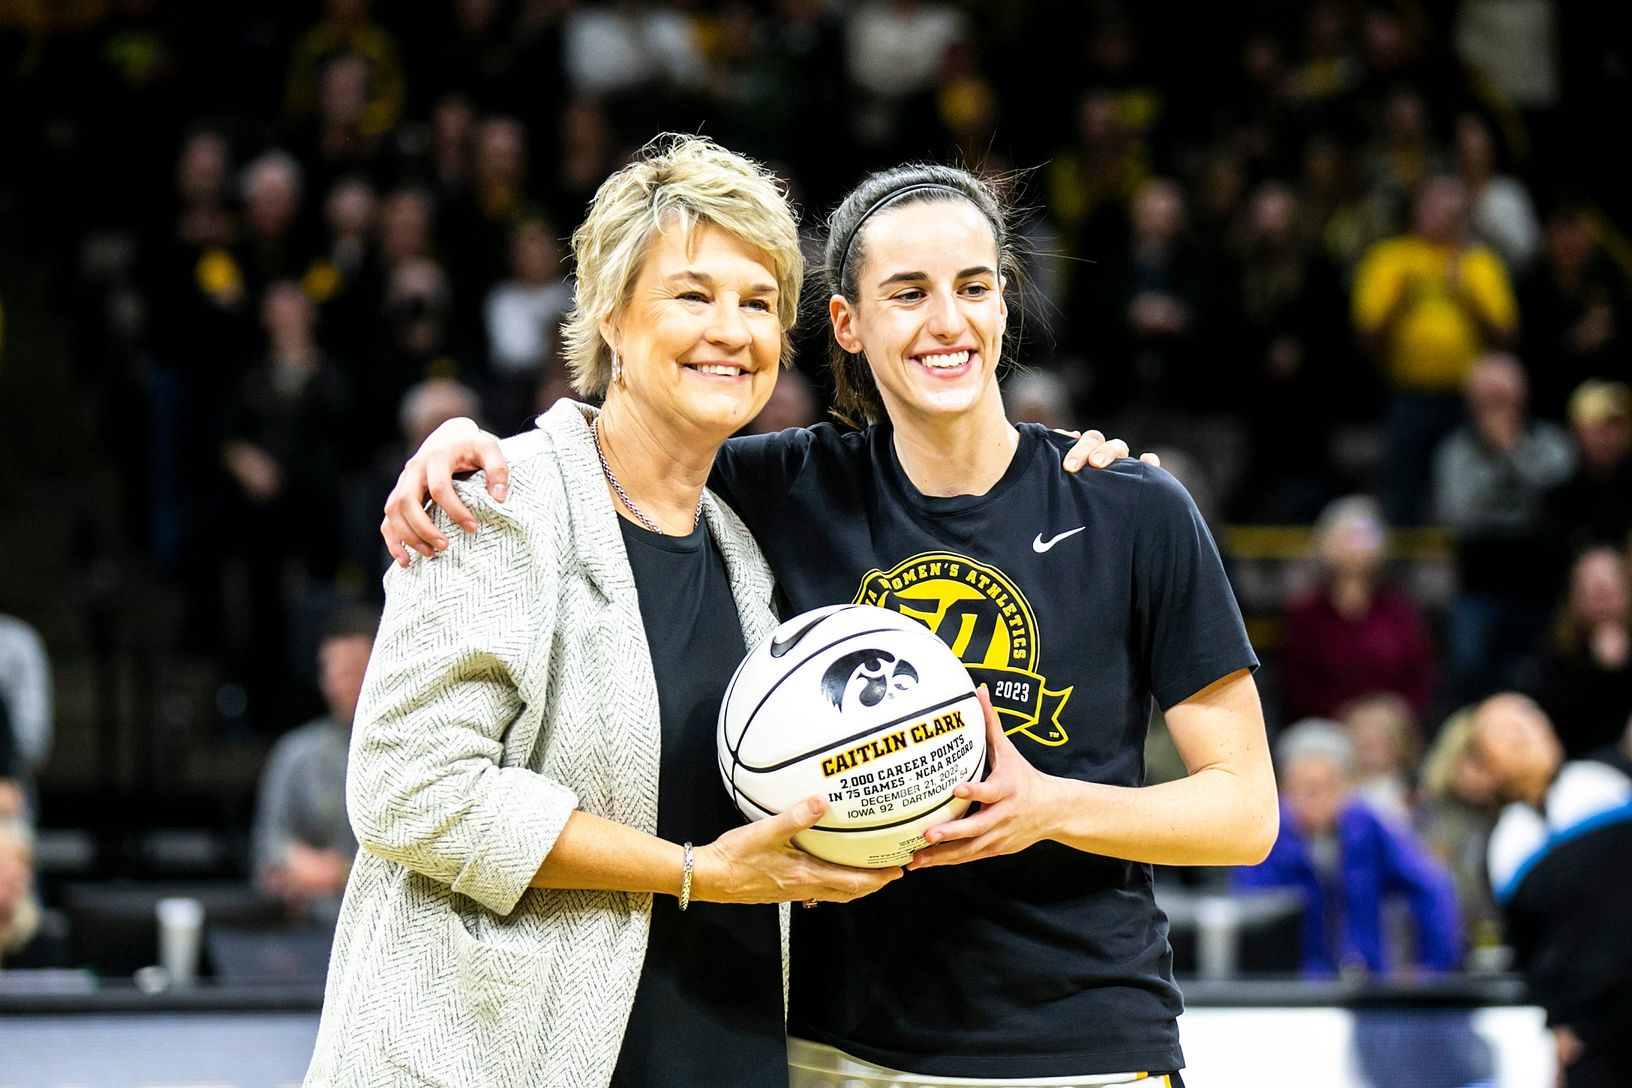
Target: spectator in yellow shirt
1427,304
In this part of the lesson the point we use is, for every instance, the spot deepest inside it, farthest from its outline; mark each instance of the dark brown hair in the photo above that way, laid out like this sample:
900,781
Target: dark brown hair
856,399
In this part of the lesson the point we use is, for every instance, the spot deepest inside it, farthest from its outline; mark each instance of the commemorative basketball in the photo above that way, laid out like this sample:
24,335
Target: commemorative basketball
865,708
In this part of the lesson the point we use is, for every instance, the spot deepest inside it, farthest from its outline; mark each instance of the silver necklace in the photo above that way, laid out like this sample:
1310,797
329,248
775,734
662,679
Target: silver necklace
611,477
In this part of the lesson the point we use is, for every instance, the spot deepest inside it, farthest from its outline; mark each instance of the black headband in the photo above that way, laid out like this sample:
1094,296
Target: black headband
888,198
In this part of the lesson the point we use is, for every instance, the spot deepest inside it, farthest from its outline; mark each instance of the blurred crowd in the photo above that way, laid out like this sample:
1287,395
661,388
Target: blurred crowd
1356,265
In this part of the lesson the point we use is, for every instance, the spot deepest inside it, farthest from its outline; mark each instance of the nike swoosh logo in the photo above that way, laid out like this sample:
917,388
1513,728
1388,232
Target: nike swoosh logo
1039,545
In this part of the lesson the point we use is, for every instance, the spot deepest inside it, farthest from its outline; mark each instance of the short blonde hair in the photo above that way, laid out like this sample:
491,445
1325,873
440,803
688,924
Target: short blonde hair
680,180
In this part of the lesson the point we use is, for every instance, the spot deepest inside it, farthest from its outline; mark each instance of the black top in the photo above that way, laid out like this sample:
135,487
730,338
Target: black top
1077,599
708,1010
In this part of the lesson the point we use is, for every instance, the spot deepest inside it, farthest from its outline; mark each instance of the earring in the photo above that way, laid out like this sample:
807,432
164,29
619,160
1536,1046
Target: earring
617,369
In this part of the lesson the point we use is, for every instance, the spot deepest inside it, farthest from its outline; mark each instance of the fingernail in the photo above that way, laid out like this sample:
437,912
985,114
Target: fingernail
1072,464
441,543
500,491
1101,460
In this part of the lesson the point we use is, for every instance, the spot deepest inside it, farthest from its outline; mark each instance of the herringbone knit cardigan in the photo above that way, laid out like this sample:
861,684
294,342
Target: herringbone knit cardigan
510,684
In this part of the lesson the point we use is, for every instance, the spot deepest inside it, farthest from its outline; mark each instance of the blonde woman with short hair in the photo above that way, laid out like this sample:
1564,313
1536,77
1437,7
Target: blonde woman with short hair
553,889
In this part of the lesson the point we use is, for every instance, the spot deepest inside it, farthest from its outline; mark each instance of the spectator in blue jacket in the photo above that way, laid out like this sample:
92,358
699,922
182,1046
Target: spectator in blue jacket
1348,862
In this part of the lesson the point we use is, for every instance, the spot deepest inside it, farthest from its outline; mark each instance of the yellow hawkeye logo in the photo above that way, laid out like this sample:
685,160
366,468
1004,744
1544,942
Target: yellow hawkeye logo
976,610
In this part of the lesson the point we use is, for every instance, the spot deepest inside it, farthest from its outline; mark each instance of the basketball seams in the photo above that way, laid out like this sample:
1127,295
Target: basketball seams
748,722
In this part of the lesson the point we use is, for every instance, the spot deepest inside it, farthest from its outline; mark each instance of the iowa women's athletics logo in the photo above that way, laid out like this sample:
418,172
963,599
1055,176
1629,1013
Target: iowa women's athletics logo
977,611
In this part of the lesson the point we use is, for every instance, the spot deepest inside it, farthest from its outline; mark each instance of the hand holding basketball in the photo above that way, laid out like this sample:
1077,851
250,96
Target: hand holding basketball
1014,806
758,863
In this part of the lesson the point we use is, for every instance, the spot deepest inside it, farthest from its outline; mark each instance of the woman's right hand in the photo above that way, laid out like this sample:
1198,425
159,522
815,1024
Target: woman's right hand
456,446
758,863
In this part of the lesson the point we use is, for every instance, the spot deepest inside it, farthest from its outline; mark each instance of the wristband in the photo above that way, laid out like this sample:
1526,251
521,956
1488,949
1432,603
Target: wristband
685,878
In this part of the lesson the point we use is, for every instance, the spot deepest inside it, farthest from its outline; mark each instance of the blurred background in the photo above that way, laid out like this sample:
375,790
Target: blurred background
1358,270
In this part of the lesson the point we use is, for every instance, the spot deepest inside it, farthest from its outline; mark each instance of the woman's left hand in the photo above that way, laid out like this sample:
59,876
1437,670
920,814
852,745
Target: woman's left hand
1093,448
1016,800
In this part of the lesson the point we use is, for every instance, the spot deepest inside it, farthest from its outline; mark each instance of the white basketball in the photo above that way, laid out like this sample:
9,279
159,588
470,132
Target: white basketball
865,708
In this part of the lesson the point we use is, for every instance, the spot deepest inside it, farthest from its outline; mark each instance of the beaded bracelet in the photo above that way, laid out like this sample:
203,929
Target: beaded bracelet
685,878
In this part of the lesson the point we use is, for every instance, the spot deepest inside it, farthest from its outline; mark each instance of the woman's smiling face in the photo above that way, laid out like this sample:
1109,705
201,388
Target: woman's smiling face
929,313
699,338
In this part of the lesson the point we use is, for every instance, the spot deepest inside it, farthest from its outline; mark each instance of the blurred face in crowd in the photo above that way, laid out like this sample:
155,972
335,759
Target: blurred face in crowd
1598,592
1158,212
1097,121
1471,781
343,93
699,337
534,257
341,663
416,300
1497,394
1261,60
1037,396
1605,440
1380,730
501,153
929,313
1475,149
1568,240
349,209
272,198
1383,41
1353,545
405,227
1406,117
453,124
432,403
1441,211
1515,744
201,172
583,131
1273,216
1315,789
286,313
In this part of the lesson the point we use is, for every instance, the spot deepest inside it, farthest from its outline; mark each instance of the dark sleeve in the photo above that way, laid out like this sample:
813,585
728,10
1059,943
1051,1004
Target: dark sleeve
753,473
1189,625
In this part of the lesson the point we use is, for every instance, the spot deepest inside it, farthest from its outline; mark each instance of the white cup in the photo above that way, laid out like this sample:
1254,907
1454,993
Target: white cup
1218,937
181,931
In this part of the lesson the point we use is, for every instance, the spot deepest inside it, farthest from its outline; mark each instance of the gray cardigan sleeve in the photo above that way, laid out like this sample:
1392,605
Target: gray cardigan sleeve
427,787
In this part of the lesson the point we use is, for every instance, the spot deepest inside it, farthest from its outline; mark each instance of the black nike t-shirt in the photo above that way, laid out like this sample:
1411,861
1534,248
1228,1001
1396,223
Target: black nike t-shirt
1076,599
708,1010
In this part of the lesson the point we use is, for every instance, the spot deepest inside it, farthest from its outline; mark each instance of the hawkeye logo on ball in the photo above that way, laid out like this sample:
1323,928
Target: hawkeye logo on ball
975,609
867,678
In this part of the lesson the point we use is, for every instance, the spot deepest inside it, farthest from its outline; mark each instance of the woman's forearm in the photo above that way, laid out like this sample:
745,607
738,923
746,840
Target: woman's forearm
598,854
1212,817
1224,812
